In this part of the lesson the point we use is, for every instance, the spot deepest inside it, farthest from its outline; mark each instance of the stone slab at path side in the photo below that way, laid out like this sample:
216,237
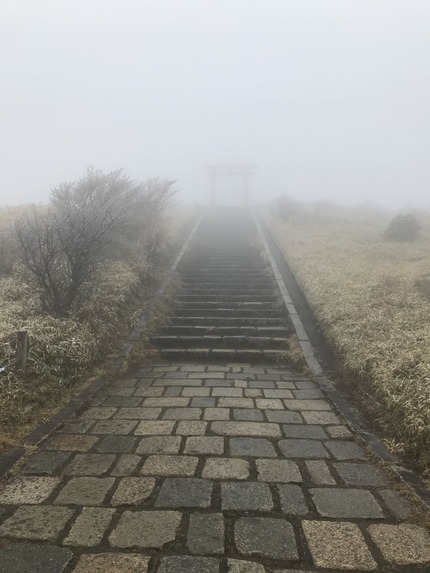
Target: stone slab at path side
192,468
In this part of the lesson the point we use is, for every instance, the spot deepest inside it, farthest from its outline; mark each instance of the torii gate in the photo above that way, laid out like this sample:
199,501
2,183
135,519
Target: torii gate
243,171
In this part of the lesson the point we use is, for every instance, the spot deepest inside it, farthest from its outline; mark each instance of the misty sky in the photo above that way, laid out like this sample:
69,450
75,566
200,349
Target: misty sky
328,98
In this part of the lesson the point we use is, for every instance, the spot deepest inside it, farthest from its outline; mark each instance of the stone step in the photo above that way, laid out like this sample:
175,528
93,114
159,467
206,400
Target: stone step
274,331
198,290
219,305
227,298
221,274
226,284
226,321
206,341
234,312
251,355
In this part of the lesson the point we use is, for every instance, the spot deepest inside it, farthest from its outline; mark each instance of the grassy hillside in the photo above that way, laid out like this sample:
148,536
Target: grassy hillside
64,350
372,299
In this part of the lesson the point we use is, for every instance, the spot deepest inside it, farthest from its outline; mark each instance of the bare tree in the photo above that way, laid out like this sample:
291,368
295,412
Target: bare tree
63,246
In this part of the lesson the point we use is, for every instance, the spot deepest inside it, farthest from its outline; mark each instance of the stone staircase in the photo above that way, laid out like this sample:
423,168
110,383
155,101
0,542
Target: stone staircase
230,307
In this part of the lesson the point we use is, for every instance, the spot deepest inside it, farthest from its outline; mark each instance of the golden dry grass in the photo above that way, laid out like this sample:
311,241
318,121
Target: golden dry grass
372,299
62,351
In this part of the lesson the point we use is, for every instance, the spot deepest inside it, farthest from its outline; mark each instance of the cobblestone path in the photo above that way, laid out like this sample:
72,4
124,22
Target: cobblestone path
212,461
206,469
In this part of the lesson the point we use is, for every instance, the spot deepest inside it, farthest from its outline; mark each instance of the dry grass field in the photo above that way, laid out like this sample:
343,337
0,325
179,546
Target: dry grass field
64,351
372,300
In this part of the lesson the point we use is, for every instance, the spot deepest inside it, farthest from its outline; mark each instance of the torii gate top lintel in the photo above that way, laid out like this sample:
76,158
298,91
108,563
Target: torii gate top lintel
243,171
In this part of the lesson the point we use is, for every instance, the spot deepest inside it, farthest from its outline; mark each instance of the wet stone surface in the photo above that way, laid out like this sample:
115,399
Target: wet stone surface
193,468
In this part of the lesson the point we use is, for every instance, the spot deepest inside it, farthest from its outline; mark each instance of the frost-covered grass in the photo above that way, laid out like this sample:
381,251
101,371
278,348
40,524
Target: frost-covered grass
372,299
63,350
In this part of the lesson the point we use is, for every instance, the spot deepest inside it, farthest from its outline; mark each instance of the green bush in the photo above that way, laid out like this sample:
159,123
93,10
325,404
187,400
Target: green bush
403,229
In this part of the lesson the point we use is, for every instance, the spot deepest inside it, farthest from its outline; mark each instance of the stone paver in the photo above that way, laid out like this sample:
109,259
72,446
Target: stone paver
226,468
292,499
186,564
179,492
402,544
239,566
31,489
338,545
125,465
145,529
206,534
133,491
204,445
255,447
278,471
170,466
154,428
89,527
246,429
344,503
27,558
112,563
292,448
265,537
159,445
360,474
45,463
84,491
246,496
205,468
36,523
89,465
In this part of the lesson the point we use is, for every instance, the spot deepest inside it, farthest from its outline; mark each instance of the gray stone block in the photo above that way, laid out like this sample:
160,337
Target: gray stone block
182,414
206,534
199,445
346,503
36,523
26,558
85,491
292,499
126,465
303,449
203,402
185,492
360,474
266,537
159,445
248,415
121,427
281,417
246,496
186,564
345,450
282,471
252,447
304,431
145,529
117,444
89,527
45,463
89,465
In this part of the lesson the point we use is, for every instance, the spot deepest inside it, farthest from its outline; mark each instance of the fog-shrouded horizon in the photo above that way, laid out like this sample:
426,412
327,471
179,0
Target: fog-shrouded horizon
327,99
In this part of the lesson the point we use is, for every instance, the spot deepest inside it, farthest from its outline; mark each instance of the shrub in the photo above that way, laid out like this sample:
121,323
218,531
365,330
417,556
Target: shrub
90,220
402,229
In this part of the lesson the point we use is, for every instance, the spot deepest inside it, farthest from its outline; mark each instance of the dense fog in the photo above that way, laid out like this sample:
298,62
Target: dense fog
325,98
